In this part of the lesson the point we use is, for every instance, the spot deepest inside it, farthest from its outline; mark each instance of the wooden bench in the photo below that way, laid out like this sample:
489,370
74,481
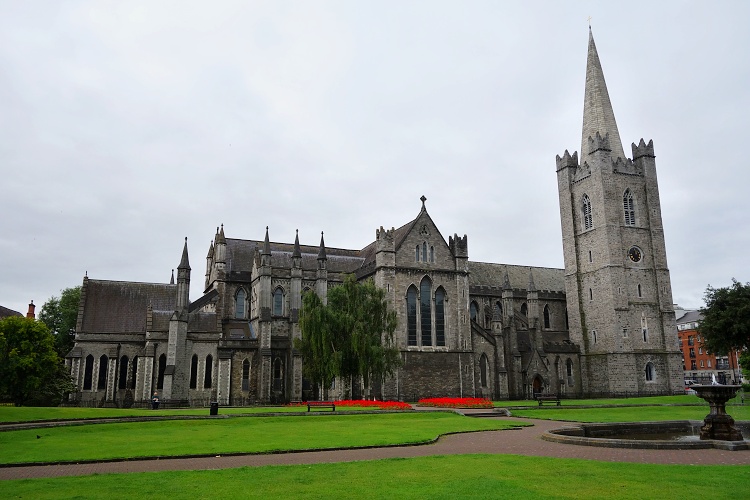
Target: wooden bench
321,404
541,399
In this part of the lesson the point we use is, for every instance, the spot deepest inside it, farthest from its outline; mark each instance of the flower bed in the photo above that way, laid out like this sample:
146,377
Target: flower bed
456,402
363,403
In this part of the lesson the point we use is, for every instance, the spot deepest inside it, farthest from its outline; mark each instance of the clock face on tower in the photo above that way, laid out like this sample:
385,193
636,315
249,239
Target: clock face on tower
635,254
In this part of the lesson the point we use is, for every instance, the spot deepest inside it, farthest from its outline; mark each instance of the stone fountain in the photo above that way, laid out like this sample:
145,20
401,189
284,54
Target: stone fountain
718,424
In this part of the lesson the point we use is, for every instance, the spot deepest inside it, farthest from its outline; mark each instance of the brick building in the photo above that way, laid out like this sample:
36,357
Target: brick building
697,363
604,325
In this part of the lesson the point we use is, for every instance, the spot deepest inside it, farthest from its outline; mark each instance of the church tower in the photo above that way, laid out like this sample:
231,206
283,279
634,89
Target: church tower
619,295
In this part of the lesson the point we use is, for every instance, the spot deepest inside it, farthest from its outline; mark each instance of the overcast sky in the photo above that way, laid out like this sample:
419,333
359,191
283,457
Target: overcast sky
127,126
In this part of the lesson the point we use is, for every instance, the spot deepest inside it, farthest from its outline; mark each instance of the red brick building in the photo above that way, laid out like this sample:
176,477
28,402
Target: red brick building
698,364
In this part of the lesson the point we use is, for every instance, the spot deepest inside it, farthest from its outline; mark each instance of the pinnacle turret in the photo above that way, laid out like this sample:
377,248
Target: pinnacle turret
322,251
184,264
598,116
297,252
266,245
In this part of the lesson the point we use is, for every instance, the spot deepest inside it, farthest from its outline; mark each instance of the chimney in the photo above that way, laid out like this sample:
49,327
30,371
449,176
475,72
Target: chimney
31,314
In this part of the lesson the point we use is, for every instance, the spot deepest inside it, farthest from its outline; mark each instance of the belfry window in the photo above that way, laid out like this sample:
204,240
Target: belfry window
588,222
239,304
629,208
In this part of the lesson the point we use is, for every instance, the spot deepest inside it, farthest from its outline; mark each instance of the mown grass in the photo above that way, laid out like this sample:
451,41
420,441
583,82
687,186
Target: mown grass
26,414
233,435
629,413
650,400
439,477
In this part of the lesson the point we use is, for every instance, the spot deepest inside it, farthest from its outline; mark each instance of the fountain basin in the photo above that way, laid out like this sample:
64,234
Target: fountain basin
669,435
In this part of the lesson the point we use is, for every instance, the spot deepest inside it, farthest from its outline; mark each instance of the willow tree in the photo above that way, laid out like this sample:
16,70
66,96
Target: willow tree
351,336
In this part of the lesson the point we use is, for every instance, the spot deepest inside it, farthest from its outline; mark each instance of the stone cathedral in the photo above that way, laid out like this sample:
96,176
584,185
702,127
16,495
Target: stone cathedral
603,326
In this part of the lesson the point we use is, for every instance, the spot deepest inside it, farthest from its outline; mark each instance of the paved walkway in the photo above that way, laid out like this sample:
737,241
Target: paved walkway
524,441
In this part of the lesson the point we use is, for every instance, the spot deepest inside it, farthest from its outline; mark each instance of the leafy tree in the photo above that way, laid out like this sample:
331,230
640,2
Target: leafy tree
60,316
726,318
31,372
351,336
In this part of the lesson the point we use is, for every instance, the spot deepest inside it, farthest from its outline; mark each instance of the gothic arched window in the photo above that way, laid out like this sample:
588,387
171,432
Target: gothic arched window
208,372
484,366
425,310
88,372
134,378
473,310
424,251
588,222
278,302
649,372
497,312
440,317
546,316
416,254
411,315
432,254
194,371
524,309
102,382
162,367
246,375
629,208
239,304
122,381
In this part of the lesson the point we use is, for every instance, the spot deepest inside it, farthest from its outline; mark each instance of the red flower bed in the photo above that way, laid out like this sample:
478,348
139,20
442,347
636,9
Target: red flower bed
363,403
456,402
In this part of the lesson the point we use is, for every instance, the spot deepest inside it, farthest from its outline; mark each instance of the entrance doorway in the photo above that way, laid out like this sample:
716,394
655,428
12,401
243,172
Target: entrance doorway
537,386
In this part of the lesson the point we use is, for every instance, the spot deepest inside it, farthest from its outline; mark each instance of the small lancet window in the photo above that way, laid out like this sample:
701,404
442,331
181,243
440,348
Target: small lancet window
629,208
432,254
546,316
424,252
416,254
588,222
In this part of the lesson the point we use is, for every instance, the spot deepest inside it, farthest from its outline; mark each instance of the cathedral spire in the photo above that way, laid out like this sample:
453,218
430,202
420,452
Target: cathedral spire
296,252
184,264
322,251
598,115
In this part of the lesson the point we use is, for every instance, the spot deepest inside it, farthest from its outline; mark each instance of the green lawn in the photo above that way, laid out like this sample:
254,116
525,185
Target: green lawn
234,435
650,400
629,413
461,476
25,414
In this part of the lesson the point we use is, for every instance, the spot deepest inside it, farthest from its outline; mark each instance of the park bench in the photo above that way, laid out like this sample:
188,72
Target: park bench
321,404
547,398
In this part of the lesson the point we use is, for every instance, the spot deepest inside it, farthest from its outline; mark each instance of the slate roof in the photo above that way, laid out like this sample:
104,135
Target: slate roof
690,317
240,253
120,306
5,312
491,275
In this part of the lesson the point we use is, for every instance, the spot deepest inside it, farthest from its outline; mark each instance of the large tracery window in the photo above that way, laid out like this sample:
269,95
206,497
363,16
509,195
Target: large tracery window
411,315
588,222
629,208
419,319
440,317
425,296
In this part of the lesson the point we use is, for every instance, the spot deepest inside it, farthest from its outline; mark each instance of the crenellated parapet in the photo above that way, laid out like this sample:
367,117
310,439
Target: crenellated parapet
567,160
384,238
643,150
599,143
459,246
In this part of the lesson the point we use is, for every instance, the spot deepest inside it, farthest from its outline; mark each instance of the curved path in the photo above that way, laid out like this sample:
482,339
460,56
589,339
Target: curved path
524,441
